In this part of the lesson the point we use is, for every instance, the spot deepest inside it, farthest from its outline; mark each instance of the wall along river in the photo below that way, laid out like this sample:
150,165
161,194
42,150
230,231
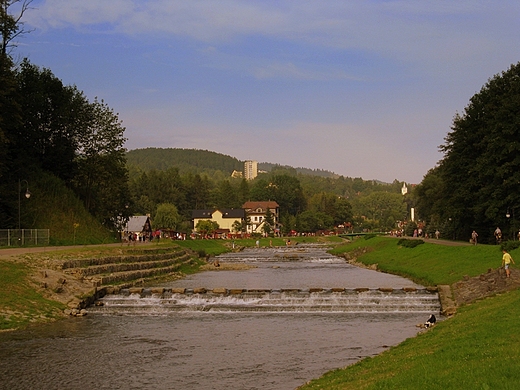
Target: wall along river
298,313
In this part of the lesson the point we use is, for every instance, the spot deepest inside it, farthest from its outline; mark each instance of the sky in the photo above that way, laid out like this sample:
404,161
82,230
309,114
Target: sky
361,88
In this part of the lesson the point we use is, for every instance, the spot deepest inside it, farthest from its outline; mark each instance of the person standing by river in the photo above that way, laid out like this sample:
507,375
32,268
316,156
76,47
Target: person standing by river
506,261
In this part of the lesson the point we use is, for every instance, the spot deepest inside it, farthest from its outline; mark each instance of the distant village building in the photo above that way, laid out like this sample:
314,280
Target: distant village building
139,227
250,169
225,218
404,190
237,174
255,214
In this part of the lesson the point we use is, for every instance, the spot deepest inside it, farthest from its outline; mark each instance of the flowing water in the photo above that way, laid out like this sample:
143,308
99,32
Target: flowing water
298,314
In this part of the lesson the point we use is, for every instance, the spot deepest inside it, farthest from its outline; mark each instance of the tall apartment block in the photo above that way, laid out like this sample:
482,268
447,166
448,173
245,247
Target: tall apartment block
250,169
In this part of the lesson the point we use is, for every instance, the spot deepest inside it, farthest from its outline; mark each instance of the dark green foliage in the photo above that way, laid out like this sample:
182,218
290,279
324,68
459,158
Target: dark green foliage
476,183
47,128
313,221
509,245
369,236
53,122
185,160
284,189
407,243
269,167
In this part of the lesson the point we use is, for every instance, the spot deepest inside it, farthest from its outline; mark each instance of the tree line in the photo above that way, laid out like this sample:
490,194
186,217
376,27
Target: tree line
46,126
307,203
476,186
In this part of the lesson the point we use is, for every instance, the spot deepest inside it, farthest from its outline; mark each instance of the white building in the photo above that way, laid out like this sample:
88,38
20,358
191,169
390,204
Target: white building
250,169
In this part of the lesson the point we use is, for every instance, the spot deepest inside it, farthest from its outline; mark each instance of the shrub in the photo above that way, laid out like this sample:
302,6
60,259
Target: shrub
409,243
509,245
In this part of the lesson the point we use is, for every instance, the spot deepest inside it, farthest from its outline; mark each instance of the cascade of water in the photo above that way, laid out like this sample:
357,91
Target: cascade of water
278,301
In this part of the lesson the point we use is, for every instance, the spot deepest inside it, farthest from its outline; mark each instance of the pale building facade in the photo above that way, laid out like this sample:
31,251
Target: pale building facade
225,217
250,169
255,215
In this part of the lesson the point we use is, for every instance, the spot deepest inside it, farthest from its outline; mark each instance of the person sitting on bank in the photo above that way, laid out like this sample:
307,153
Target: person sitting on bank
431,321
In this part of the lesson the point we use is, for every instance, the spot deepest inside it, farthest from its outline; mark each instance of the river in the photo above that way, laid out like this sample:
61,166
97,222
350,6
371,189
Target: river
161,348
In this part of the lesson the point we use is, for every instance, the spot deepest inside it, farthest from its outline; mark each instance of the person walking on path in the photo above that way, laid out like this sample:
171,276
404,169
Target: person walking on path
498,235
474,236
506,261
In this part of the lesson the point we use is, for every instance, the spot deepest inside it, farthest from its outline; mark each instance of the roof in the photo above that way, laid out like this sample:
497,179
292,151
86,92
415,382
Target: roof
264,205
226,213
233,213
199,214
136,223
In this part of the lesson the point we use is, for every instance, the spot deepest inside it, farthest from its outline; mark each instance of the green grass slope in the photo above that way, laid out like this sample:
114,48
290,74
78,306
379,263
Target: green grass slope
427,264
478,348
53,206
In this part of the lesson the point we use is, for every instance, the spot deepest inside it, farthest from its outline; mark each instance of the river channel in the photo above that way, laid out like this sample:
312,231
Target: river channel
300,315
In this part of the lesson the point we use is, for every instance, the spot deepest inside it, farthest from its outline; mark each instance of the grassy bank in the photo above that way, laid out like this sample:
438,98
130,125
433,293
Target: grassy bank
20,303
427,264
478,348
23,302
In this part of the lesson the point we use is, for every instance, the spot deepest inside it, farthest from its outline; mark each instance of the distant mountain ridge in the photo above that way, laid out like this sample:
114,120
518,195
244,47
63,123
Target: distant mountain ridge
199,161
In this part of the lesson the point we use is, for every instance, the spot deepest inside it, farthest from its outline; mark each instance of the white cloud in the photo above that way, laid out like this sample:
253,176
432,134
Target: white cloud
344,24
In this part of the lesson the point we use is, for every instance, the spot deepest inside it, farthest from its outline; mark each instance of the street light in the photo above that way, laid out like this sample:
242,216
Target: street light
27,195
511,222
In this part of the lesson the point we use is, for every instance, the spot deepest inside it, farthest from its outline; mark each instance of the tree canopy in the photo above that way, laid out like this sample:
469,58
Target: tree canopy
478,180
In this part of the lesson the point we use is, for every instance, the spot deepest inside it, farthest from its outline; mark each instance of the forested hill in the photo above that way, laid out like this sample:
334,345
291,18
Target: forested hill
186,160
268,167
201,161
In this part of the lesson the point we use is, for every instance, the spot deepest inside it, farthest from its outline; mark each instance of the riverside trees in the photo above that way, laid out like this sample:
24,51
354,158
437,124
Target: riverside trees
478,180
46,126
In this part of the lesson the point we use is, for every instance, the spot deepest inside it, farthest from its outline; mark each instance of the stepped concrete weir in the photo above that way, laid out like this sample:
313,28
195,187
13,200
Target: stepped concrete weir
139,300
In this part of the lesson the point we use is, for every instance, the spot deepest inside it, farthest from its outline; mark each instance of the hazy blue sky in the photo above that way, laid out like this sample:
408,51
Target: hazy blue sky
362,88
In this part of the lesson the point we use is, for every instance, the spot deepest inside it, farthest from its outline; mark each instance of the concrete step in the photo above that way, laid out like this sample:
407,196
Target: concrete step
84,263
110,268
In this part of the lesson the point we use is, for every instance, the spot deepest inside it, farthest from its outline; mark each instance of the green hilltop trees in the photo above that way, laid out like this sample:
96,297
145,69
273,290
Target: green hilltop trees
477,183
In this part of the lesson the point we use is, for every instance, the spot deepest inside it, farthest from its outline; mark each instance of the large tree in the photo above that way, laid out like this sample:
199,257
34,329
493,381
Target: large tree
284,189
479,176
11,25
102,175
335,206
55,119
167,217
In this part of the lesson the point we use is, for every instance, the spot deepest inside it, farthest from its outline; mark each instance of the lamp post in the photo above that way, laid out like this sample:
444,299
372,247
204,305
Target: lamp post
512,222
27,195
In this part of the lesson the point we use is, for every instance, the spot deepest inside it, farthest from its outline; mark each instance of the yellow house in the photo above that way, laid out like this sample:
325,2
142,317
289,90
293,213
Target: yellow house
225,218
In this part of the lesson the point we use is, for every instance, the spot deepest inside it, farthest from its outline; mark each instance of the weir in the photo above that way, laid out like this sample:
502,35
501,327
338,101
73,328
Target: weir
308,300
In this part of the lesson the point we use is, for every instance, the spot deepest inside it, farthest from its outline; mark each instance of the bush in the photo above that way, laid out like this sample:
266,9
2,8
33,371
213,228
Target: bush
409,243
369,236
509,245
